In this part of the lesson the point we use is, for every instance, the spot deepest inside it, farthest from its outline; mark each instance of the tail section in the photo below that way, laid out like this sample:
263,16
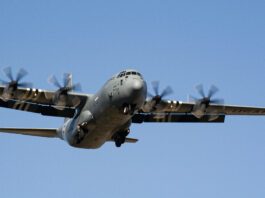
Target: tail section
69,76
70,80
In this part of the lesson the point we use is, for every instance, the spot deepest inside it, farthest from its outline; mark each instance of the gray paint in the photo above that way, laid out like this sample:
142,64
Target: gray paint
103,112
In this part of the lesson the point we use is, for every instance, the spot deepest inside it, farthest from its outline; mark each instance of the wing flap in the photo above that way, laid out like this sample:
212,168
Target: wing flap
140,118
50,133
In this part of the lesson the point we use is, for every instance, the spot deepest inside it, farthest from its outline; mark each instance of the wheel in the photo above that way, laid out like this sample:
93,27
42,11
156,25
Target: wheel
119,140
79,136
118,144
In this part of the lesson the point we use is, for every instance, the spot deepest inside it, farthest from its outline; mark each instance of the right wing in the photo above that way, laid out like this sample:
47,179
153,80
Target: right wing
42,101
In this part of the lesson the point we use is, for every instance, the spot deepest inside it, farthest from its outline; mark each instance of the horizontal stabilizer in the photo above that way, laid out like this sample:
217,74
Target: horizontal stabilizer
131,140
127,140
51,133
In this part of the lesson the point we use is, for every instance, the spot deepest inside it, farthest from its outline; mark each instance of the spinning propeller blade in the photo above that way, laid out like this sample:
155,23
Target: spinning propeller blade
201,105
157,98
14,83
61,95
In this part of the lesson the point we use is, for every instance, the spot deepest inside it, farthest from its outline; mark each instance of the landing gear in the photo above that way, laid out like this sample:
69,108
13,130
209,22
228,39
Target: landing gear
79,137
81,132
119,138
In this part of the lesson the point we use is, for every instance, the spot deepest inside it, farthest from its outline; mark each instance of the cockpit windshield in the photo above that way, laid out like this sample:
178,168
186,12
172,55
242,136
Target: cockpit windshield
124,73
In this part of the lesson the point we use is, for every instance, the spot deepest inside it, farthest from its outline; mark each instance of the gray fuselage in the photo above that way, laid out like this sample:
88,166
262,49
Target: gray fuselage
104,114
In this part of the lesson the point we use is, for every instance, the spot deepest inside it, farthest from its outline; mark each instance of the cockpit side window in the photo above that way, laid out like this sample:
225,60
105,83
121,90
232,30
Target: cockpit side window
121,74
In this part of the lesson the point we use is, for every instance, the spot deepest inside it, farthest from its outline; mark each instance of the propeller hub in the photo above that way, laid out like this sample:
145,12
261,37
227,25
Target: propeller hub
64,90
13,84
206,100
157,99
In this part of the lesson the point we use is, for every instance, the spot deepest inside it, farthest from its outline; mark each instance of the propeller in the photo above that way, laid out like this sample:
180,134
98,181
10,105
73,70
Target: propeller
202,104
157,98
12,85
61,94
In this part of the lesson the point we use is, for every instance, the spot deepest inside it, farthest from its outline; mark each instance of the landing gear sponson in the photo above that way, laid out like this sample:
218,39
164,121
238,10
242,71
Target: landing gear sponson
119,138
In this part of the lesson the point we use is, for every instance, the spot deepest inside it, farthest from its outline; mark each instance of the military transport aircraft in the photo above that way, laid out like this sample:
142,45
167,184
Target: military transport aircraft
91,120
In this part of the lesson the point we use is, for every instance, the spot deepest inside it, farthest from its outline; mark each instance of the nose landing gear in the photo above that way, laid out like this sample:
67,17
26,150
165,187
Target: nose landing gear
119,138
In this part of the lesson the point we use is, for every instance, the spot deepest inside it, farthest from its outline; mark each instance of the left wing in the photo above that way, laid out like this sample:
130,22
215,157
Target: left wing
187,107
177,111
51,133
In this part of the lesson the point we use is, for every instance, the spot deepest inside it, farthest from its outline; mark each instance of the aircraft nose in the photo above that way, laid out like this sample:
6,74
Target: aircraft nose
135,92
137,85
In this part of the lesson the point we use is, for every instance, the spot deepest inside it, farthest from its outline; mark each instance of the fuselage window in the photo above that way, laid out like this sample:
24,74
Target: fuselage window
128,73
133,73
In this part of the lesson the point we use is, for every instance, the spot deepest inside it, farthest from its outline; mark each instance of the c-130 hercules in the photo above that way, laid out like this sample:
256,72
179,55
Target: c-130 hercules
92,120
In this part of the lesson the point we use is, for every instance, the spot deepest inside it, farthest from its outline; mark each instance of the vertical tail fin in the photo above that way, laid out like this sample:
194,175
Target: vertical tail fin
70,84
70,80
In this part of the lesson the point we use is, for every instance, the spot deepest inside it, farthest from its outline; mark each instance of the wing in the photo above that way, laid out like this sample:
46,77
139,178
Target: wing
177,111
42,101
186,108
51,133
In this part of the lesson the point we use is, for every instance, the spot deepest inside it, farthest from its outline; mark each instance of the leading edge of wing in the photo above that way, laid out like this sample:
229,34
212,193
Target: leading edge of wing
41,132
45,97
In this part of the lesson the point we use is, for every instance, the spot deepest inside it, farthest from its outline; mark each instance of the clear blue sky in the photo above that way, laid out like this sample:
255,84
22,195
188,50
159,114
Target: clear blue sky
179,43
